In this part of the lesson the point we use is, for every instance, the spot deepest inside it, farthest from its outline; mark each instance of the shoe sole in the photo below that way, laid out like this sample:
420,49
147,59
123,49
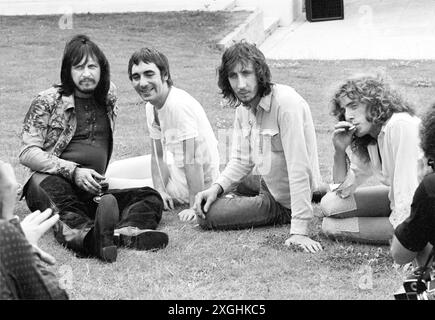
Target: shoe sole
107,222
147,240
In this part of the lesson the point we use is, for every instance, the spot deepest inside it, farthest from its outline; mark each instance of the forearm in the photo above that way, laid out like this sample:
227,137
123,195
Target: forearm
157,175
195,180
339,169
38,160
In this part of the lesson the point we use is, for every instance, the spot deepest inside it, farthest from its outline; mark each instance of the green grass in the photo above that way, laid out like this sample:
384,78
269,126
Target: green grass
245,264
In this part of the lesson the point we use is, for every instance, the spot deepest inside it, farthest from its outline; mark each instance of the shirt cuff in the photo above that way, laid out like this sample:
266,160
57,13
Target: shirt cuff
225,183
299,226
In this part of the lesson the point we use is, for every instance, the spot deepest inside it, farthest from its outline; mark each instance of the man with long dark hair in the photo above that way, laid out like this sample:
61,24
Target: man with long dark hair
67,144
273,138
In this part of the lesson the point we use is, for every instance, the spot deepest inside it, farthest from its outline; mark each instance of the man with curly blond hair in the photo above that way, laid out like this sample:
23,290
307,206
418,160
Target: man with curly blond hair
380,132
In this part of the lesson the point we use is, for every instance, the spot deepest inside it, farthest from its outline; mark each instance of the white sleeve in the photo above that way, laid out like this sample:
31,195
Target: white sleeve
403,146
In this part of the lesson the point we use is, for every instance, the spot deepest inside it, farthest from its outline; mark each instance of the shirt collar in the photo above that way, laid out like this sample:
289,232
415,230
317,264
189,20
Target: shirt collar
68,101
266,101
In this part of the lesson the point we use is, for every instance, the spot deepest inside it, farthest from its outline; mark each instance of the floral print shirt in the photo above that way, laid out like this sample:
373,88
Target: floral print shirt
48,128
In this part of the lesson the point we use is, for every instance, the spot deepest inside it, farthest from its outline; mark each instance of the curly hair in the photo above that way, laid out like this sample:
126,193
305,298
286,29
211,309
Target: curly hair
380,99
427,134
243,52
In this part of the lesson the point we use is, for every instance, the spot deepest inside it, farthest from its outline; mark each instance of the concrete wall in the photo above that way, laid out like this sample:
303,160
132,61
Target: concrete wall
286,10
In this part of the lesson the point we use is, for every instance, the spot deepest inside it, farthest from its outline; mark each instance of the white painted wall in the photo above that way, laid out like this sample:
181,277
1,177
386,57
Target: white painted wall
286,10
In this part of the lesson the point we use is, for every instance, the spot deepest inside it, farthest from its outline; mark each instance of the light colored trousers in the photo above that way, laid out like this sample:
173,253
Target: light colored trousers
361,217
136,172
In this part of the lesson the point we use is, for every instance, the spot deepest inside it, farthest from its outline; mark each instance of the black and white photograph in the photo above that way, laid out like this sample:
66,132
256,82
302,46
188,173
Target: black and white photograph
214,156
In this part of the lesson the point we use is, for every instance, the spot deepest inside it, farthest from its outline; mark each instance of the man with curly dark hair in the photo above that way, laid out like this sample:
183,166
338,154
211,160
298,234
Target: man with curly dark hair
273,138
67,142
414,238
381,131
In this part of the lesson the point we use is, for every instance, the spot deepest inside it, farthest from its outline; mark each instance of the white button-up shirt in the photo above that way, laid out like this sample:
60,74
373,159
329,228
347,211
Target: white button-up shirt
278,141
401,164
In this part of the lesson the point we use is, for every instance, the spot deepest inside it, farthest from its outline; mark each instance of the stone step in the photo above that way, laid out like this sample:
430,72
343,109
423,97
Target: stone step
270,25
256,28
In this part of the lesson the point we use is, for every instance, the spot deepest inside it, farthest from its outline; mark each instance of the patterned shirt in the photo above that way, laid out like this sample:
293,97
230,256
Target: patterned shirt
48,128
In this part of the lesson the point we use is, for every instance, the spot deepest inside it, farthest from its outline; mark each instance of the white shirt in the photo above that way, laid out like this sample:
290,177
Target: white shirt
278,142
181,118
402,167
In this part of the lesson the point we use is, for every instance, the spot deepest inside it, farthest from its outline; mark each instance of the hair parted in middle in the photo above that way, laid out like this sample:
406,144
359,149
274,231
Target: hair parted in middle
151,55
244,53
381,100
78,48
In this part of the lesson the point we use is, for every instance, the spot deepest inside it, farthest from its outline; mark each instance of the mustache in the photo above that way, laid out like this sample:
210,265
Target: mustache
87,80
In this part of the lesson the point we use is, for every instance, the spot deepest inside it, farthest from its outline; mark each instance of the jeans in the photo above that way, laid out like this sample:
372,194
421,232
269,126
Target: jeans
138,207
249,205
361,217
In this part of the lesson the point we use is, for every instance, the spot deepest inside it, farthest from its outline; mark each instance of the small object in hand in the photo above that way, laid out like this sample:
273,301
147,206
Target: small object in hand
104,187
202,205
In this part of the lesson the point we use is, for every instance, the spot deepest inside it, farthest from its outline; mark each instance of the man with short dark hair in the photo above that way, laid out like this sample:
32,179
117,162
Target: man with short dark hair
67,143
184,158
273,137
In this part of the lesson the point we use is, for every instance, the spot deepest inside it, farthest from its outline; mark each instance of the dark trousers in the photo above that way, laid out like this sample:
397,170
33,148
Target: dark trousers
22,273
138,207
249,205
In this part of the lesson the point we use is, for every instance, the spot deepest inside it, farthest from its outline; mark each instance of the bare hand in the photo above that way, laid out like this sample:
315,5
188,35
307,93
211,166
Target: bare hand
342,135
207,197
306,243
187,215
37,223
88,180
168,202
8,190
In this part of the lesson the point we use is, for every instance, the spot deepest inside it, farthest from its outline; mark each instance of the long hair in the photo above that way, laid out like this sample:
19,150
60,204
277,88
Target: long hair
243,52
150,55
381,102
427,135
79,47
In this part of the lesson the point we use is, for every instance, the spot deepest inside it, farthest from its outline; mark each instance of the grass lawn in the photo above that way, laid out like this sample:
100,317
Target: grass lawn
246,264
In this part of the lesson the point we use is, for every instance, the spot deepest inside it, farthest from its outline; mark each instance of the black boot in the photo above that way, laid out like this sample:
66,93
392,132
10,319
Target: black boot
106,217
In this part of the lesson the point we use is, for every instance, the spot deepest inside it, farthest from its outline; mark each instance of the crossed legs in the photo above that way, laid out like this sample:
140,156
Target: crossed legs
361,217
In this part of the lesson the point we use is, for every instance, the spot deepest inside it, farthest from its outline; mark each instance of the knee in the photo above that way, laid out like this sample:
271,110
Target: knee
328,204
329,226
